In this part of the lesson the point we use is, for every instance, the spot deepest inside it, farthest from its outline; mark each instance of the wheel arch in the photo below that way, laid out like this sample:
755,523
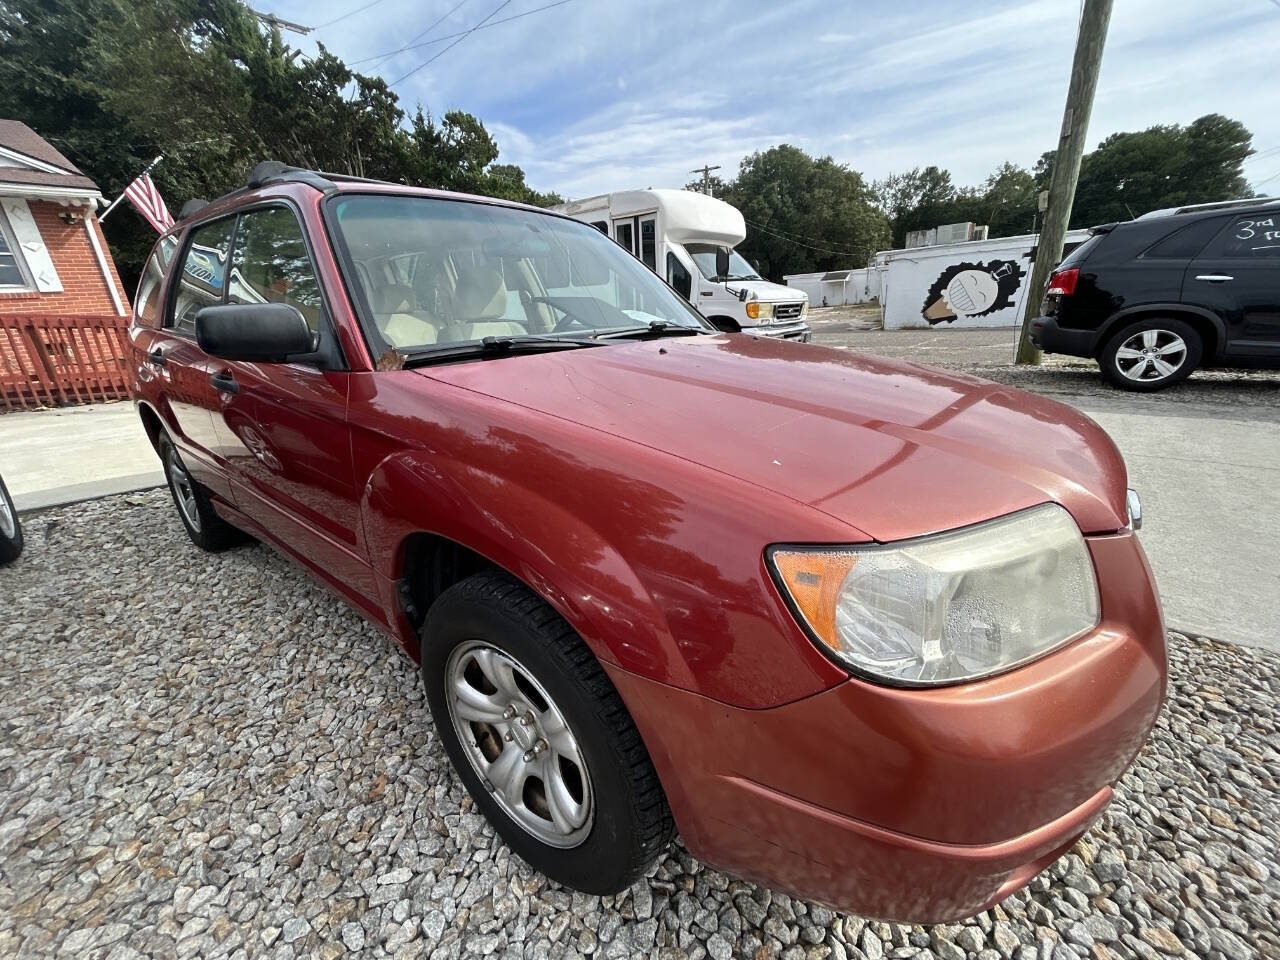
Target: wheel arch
1206,323
152,423
725,324
427,529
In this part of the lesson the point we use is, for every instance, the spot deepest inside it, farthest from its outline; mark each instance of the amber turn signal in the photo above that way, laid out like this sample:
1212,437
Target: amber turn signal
813,578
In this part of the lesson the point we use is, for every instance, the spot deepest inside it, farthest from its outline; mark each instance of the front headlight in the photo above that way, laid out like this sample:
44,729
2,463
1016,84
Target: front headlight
804,309
759,311
950,607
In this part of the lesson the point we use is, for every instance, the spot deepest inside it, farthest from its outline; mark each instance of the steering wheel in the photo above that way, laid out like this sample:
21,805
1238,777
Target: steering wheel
569,322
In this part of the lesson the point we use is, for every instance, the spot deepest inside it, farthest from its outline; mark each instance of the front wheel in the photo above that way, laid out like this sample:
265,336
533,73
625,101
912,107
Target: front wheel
540,737
10,527
1151,354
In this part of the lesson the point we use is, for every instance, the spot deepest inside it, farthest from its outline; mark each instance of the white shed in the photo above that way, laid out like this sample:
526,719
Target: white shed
836,288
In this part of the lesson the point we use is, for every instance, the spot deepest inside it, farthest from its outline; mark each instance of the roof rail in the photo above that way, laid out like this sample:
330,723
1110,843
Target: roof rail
192,207
273,171
1207,207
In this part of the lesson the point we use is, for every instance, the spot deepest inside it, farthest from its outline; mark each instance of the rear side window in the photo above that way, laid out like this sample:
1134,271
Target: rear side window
202,279
1186,242
271,264
147,304
1253,238
1076,256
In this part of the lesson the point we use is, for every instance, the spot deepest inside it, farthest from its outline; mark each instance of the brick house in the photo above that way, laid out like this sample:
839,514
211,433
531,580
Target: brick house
62,305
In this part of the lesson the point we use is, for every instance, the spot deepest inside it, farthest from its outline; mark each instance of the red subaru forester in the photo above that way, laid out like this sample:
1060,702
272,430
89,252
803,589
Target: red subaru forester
875,634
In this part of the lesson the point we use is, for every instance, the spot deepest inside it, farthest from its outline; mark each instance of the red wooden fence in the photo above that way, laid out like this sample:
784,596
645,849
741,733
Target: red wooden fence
54,361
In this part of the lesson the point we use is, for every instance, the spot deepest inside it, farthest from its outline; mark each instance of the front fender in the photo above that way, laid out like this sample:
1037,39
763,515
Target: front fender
538,540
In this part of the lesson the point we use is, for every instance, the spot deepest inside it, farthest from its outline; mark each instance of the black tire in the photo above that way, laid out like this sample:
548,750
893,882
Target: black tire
10,527
1165,328
204,527
631,823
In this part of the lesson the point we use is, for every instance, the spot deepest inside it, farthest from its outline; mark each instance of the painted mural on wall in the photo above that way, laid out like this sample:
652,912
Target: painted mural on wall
972,290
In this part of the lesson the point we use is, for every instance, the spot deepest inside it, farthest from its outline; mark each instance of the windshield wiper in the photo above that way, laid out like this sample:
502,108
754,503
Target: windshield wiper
659,327
493,346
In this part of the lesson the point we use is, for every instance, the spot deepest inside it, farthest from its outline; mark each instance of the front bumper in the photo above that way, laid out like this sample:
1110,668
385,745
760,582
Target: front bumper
1051,338
917,805
782,331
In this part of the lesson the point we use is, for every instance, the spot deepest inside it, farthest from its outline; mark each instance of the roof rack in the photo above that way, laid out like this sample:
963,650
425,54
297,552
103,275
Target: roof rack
1206,207
273,171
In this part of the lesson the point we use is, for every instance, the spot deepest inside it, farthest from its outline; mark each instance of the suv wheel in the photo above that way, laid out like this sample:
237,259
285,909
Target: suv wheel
540,737
10,527
207,530
1151,354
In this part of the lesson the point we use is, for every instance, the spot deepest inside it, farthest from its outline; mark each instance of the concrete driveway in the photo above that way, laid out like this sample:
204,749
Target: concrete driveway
1204,456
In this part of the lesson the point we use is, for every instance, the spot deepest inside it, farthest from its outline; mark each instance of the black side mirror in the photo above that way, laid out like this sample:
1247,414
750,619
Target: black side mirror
254,332
722,262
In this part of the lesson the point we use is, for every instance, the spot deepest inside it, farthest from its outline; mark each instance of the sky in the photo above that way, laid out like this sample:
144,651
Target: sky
592,96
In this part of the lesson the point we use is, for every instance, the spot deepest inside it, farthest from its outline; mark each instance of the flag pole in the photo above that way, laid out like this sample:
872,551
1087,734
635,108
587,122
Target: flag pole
116,202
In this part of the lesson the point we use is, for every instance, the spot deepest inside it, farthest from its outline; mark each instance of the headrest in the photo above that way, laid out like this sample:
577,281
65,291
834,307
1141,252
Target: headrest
481,294
395,298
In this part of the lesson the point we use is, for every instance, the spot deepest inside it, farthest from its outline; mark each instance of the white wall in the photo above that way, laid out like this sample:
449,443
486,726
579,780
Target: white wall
976,284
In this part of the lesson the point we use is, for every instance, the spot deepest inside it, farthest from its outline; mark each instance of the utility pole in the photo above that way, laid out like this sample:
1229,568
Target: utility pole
271,20
1090,40
706,177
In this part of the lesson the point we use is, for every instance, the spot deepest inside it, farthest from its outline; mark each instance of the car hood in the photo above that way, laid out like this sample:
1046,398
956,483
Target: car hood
893,449
768,291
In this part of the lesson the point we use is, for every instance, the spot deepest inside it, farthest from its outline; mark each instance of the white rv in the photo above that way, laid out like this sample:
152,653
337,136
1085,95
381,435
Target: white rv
688,238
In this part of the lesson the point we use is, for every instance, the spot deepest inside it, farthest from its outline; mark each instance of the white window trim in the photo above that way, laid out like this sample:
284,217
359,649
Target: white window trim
28,284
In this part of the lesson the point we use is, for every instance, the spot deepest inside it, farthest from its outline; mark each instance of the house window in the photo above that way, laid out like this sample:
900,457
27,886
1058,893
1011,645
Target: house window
13,270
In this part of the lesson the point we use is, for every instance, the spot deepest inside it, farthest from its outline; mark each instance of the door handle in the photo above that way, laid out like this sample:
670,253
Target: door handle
224,382
706,293
156,356
1215,277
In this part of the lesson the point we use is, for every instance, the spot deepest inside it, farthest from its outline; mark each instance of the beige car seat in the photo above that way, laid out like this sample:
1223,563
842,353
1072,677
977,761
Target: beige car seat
398,318
479,306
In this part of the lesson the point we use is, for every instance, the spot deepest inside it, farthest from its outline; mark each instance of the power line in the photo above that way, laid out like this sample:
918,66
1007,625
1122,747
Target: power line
349,13
782,236
382,57
450,36
426,63
809,246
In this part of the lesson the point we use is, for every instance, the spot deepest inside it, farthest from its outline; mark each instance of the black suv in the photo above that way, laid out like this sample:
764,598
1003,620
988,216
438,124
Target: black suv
1154,298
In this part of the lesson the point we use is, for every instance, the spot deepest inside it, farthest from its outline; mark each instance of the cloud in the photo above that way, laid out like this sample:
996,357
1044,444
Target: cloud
594,96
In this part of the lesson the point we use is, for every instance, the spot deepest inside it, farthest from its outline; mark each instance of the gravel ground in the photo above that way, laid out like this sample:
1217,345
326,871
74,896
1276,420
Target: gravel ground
211,756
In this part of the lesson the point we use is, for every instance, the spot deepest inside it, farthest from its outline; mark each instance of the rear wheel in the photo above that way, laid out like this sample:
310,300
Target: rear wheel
1151,354
205,528
540,737
10,527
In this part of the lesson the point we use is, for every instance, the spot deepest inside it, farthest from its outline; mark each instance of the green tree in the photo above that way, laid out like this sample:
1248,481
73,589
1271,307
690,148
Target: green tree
805,214
112,84
1132,173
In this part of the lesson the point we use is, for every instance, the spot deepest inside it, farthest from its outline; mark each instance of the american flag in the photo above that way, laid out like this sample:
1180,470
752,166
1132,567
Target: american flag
142,193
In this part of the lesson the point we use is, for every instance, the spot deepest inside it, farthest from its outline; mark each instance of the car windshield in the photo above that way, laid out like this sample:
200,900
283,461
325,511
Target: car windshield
704,255
438,273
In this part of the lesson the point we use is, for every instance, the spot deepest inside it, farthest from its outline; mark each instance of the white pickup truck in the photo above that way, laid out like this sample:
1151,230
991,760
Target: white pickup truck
688,238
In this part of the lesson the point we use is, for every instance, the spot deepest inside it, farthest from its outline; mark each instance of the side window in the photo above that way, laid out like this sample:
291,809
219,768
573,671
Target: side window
1185,243
1253,238
649,244
679,277
270,264
202,280
146,305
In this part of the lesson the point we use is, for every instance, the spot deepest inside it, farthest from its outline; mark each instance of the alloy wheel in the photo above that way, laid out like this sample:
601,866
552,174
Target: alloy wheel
519,744
8,526
184,489
1151,355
